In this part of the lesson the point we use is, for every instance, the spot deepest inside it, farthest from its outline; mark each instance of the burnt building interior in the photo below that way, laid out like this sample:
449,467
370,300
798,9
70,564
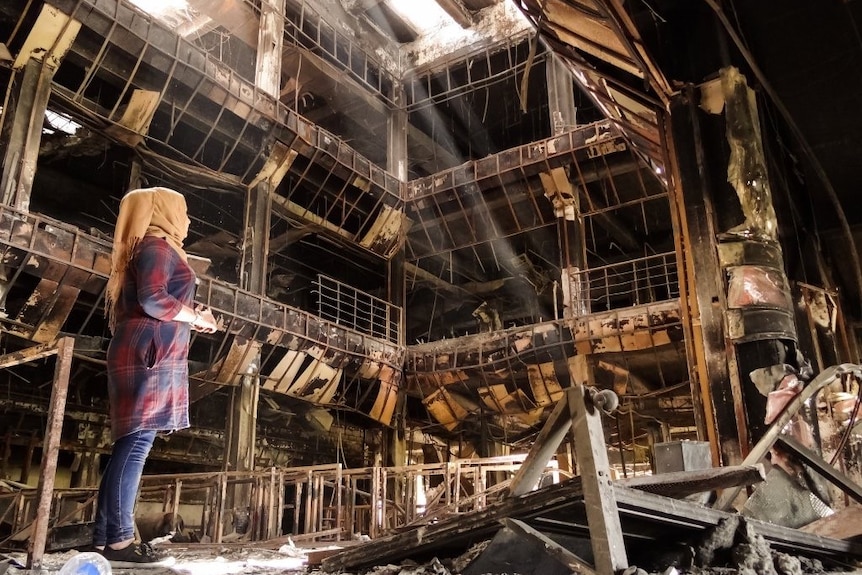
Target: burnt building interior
434,233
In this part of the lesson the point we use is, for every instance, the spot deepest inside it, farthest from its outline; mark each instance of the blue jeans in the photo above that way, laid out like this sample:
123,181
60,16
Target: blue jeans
118,491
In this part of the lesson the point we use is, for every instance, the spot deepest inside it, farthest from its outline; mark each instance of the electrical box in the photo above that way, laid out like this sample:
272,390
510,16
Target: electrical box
682,456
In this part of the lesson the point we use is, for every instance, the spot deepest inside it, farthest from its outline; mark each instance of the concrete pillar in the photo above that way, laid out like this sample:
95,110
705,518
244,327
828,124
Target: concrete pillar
258,218
241,431
760,314
240,449
714,380
22,132
244,397
561,96
243,421
269,44
396,142
396,163
739,313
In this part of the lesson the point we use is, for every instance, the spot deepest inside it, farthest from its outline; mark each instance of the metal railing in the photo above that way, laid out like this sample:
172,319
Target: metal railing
625,284
318,502
357,310
328,502
72,511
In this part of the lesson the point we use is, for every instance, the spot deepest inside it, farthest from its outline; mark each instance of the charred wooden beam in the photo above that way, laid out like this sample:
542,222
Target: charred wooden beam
27,355
50,451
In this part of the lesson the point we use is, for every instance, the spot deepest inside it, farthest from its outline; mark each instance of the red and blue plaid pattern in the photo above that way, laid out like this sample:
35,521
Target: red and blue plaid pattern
148,376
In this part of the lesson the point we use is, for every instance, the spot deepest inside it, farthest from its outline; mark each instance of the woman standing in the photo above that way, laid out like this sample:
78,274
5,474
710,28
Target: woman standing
149,303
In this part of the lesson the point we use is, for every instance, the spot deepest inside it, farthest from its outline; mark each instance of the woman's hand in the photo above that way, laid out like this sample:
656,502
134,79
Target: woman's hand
204,321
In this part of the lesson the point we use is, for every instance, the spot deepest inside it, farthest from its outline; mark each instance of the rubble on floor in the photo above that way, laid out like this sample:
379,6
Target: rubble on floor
659,532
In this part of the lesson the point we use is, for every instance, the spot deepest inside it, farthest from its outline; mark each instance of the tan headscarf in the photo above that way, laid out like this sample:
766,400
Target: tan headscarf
159,212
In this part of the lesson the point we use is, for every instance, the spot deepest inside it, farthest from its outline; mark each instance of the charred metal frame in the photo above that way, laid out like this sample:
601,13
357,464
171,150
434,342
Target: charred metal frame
241,130
499,197
68,261
319,502
430,87
237,138
497,366
627,107
305,28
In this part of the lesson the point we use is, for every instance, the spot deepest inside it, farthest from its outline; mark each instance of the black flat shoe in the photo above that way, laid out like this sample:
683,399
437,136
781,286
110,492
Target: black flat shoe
133,555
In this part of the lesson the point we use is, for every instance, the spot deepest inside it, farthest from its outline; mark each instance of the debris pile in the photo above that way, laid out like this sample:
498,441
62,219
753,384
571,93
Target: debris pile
733,543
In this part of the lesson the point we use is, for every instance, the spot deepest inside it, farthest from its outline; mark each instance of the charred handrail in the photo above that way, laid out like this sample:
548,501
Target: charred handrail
33,233
583,139
651,279
478,350
330,499
355,309
759,451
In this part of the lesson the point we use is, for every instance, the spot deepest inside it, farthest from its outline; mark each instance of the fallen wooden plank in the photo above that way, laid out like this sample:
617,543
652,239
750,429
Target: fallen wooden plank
680,484
842,525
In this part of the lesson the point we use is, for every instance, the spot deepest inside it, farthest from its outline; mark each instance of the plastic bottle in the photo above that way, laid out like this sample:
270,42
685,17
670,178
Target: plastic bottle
86,564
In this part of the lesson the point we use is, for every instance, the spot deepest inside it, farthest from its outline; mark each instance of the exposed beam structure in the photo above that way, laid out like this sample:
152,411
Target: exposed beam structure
604,32
506,194
65,255
358,107
587,142
462,73
244,125
306,28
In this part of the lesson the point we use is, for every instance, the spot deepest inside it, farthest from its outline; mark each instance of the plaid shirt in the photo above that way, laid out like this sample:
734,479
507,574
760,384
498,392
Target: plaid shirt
148,378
